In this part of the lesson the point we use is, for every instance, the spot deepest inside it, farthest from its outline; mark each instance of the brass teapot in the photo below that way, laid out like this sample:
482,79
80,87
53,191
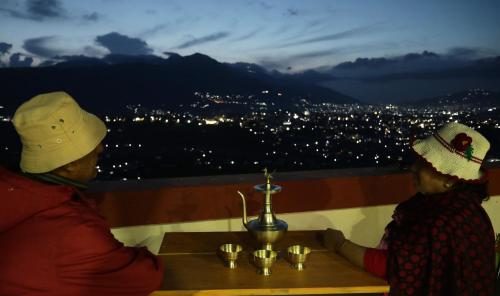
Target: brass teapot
266,229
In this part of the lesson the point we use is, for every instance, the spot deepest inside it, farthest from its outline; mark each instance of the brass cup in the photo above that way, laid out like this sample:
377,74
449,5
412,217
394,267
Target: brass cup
263,260
297,255
229,254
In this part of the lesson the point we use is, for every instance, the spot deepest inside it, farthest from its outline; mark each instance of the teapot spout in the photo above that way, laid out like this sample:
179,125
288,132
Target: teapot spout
244,209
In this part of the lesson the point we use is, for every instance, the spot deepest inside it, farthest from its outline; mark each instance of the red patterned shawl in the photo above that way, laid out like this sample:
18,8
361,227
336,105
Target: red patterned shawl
441,244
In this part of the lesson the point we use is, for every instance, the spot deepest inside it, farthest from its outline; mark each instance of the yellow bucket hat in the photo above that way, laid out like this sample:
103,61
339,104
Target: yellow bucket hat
55,131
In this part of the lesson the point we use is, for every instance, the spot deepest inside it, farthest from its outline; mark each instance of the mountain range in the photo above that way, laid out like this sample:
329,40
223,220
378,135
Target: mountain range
111,83
464,99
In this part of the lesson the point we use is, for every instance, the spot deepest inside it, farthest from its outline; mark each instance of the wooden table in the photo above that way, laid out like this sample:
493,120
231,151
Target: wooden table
193,268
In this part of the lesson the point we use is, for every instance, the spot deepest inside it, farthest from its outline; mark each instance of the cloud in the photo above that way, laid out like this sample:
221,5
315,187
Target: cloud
359,63
261,4
18,14
92,17
121,44
41,46
292,12
155,30
420,56
37,10
341,35
47,63
20,60
286,62
274,64
45,8
315,54
470,52
4,48
170,53
204,39
247,36
425,65
93,51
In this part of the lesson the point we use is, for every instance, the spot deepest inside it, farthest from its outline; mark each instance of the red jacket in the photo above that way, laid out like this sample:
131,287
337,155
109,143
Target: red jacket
54,242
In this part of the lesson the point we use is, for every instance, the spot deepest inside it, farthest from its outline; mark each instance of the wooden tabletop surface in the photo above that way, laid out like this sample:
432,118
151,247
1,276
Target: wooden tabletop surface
193,268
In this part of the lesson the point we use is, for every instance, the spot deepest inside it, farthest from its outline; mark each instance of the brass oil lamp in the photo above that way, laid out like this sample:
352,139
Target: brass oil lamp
266,229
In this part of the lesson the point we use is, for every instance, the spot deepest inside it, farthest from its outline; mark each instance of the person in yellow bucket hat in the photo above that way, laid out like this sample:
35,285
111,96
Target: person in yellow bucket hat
441,240
52,239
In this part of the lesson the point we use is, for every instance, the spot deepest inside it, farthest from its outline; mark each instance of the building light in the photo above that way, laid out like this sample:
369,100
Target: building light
211,121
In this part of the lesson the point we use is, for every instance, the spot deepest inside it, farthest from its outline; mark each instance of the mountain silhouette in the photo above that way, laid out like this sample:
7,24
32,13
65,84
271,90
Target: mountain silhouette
111,83
468,98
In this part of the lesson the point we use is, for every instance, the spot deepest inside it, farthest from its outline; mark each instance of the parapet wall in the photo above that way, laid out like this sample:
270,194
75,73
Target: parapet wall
208,198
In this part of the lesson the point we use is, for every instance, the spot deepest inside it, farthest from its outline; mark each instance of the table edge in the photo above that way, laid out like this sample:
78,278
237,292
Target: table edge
275,291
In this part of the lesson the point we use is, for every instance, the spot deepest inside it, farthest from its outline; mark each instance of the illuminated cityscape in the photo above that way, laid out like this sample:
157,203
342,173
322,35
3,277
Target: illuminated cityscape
201,140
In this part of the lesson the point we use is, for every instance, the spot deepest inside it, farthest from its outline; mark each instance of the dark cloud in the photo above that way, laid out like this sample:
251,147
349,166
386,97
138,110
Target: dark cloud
121,44
45,8
41,46
171,54
92,17
470,53
18,14
420,56
425,65
37,10
19,60
204,39
315,54
360,63
341,35
411,62
292,12
4,48
284,62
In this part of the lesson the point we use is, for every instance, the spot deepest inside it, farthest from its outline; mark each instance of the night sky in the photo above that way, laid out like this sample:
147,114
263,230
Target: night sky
289,36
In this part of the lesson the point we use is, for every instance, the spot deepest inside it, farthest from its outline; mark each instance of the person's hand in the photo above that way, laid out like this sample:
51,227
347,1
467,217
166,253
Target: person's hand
333,239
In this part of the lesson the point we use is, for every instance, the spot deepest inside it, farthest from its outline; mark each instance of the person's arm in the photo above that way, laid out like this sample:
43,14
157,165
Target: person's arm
90,259
335,240
372,260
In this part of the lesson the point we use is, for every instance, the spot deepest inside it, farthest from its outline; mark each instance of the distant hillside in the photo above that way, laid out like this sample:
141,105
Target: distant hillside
472,98
110,83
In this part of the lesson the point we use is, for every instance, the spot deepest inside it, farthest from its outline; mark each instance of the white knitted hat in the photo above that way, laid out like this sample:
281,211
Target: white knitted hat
55,131
455,150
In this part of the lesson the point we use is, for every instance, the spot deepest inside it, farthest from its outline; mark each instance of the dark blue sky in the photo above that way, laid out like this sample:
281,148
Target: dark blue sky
278,34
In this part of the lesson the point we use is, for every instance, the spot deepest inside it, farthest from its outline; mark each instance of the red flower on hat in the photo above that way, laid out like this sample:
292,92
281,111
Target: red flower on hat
461,142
